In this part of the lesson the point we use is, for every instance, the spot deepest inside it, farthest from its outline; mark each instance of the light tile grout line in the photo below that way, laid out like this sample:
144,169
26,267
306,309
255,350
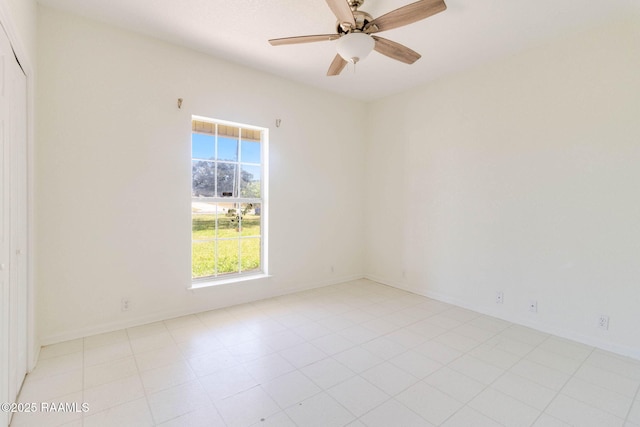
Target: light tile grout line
443,365
543,411
422,379
396,328
593,350
213,405
402,327
549,336
487,386
133,354
359,374
135,360
356,374
385,361
328,356
563,386
634,400
480,343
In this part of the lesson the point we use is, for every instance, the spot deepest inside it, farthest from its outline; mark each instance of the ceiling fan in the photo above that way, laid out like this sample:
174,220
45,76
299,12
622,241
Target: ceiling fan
355,28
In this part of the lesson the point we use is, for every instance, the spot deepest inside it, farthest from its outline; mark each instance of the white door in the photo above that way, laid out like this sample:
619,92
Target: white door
5,228
17,87
13,226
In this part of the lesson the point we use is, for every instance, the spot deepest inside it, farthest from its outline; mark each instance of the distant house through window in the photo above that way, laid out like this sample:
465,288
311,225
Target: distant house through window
228,200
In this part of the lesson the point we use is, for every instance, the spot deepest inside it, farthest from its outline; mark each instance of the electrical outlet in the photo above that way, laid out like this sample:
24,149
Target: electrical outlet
499,297
124,304
603,322
533,306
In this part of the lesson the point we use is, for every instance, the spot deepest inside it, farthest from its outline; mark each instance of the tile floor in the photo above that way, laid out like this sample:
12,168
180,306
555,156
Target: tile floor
354,354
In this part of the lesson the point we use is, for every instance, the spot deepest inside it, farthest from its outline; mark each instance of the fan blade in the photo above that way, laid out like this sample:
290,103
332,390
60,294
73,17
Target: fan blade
304,39
406,15
337,65
342,10
395,50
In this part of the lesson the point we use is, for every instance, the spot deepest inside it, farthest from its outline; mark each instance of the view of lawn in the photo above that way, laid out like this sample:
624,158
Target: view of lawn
231,227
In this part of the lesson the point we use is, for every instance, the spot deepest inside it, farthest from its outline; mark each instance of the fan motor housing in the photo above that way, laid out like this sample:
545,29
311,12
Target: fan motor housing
361,17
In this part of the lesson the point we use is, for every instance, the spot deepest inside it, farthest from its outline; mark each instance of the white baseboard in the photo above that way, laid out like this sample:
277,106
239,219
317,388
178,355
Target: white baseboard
170,314
597,342
289,289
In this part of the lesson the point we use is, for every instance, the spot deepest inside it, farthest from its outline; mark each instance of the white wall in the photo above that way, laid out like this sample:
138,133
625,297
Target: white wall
521,176
113,177
23,17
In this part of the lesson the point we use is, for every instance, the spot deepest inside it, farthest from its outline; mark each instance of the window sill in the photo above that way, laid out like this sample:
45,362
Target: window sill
207,283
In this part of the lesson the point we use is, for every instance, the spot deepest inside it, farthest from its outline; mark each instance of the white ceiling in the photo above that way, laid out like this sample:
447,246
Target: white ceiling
469,32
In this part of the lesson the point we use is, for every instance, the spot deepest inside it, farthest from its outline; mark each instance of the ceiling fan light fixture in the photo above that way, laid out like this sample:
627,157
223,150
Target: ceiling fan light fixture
354,28
354,47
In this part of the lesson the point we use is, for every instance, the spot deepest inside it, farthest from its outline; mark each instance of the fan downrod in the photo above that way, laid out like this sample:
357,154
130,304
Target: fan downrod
355,4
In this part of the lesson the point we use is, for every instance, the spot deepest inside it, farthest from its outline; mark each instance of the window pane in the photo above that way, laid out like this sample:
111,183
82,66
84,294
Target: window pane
202,146
250,225
203,224
227,149
203,259
228,220
228,256
227,176
250,181
250,152
250,250
202,179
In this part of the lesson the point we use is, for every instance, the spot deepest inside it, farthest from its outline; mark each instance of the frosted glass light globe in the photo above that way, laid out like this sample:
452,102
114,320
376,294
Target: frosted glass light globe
354,47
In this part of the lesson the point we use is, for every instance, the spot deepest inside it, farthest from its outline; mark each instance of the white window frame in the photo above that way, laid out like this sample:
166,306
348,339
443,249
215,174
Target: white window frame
225,278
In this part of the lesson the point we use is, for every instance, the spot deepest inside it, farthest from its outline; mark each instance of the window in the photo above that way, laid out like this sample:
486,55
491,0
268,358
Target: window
228,200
